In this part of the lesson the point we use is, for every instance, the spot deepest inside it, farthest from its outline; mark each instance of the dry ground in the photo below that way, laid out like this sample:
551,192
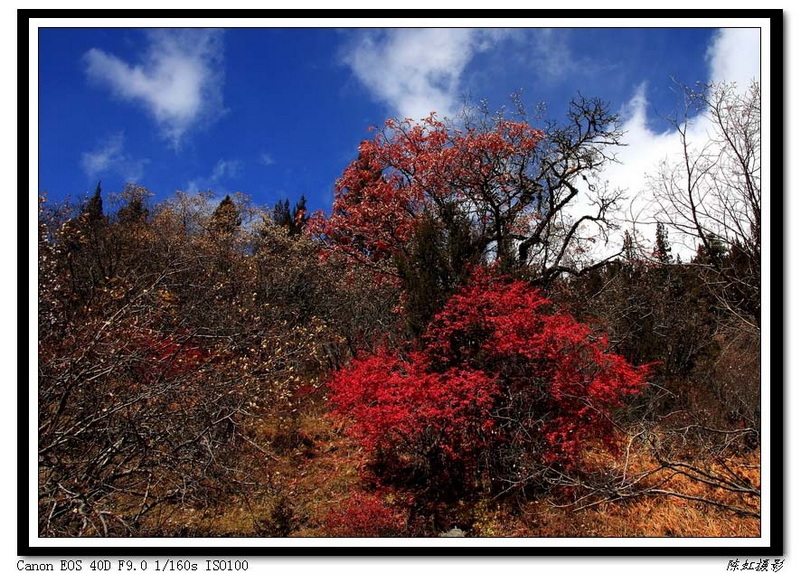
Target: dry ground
316,468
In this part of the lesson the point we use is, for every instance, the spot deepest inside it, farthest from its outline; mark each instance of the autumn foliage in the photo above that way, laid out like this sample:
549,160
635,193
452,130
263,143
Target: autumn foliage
409,169
168,335
500,385
441,350
365,515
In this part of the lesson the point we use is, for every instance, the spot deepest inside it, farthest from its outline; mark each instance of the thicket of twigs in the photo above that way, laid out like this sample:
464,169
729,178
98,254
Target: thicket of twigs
440,351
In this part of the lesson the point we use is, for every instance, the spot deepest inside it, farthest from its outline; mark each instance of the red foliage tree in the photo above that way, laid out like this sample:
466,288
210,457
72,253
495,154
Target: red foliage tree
515,185
498,389
410,169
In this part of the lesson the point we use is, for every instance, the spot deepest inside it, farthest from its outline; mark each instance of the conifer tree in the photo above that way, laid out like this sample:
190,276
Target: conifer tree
663,250
226,217
292,219
93,210
280,213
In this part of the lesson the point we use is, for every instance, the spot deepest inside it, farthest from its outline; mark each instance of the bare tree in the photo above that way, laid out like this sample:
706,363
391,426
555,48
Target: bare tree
713,192
568,164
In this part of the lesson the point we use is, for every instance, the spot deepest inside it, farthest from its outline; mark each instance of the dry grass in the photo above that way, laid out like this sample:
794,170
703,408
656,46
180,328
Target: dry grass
308,468
317,468
643,511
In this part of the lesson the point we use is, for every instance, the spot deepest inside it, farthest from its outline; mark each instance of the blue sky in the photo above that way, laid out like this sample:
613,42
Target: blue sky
279,112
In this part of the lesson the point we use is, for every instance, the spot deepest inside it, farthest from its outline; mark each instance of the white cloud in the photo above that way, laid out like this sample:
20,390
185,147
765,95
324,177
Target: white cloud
733,56
552,55
109,157
179,80
267,159
417,71
224,170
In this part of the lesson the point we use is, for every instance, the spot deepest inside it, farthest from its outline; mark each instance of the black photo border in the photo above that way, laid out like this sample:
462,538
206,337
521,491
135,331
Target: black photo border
408,547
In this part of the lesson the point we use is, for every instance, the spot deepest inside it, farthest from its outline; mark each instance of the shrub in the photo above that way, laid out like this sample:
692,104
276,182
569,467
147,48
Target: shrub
497,391
366,515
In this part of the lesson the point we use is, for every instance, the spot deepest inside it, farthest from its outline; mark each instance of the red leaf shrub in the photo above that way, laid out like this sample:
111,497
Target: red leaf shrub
498,385
366,515
398,404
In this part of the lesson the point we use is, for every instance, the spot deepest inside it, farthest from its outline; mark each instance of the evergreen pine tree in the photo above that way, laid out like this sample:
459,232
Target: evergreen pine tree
713,254
93,210
280,213
292,219
438,261
226,218
663,250
628,248
299,217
